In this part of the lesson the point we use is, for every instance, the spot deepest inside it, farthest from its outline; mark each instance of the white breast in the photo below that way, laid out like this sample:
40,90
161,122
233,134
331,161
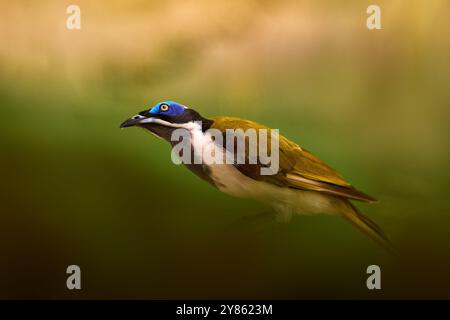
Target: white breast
226,177
231,181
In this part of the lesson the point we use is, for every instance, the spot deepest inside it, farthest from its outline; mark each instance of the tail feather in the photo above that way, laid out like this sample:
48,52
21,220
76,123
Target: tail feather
367,226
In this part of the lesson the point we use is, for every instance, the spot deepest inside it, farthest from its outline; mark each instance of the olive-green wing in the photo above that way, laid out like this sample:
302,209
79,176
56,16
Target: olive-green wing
298,168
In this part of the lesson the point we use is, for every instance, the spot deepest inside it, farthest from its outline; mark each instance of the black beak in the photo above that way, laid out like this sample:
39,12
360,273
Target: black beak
135,120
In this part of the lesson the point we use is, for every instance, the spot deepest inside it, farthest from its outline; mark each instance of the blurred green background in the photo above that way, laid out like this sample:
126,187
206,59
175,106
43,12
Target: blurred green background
77,190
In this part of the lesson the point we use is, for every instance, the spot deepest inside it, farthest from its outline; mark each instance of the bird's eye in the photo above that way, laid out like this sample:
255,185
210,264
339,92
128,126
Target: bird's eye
164,107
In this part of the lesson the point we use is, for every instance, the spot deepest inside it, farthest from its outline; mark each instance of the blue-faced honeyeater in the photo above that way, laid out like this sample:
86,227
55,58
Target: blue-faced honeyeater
303,184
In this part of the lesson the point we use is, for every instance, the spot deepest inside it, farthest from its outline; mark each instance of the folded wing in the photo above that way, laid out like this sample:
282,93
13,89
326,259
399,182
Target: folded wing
298,168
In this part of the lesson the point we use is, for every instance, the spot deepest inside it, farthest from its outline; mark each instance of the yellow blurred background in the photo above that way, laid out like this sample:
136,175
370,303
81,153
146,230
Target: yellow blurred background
374,104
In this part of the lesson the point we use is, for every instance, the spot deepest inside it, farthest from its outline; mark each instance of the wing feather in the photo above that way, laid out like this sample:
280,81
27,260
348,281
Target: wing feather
298,167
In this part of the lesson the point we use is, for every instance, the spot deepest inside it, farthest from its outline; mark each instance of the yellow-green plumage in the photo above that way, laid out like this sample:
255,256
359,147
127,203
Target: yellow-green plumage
302,171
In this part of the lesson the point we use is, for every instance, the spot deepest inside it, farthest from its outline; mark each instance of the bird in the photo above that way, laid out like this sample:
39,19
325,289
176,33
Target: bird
303,184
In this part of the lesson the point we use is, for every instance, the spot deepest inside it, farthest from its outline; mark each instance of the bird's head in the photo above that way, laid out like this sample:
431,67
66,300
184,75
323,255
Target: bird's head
163,118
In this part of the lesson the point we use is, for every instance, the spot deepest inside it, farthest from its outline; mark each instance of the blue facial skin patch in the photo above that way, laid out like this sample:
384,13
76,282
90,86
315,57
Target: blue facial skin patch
175,109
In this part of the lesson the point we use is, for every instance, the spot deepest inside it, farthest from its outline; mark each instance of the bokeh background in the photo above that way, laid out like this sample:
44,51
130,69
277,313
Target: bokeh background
77,190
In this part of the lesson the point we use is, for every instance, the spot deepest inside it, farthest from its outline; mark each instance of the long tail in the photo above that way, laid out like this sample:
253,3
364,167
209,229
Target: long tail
367,226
